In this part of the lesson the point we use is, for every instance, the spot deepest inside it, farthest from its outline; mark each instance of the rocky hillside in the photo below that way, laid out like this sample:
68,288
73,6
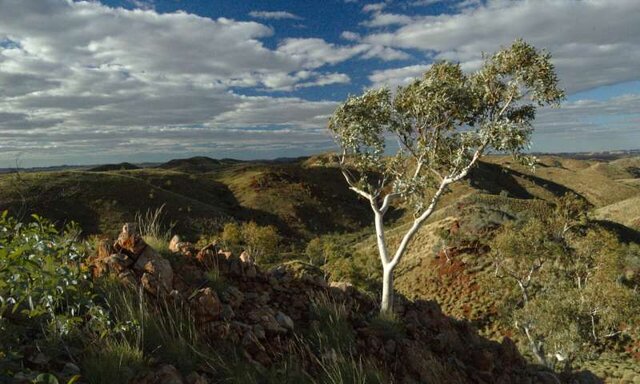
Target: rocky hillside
290,313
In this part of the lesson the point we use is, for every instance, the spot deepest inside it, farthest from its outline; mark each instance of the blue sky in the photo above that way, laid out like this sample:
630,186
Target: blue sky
151,80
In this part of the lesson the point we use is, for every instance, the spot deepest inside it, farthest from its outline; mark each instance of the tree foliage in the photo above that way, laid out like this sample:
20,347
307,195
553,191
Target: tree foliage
261,242
570,299
41,279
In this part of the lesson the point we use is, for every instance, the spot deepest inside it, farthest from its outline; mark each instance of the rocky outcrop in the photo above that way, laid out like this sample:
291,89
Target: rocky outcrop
134,262
264,313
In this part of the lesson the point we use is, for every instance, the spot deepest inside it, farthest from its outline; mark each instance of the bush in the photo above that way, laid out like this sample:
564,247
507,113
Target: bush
261,242
42,283
315,252
45,293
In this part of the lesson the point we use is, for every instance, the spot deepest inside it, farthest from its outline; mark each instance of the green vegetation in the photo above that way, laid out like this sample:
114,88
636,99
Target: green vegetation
260,242
452,259
570,296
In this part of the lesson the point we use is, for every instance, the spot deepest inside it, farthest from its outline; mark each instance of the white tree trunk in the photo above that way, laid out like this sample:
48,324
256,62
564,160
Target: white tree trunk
388,265
386,305
536,348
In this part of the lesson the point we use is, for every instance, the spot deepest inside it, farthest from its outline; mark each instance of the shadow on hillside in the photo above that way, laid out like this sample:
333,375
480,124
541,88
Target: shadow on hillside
494,179
198,203
476,358
623,232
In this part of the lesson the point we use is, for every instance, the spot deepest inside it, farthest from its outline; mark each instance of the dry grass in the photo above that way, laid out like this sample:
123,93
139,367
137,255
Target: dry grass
625,212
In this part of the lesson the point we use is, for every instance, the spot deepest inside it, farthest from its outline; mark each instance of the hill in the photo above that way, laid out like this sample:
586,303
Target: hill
113,167
197,164
302,197
198,195
195,315
307,198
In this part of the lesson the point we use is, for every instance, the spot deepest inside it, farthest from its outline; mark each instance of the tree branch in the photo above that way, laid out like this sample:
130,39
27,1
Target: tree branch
418,222
350,182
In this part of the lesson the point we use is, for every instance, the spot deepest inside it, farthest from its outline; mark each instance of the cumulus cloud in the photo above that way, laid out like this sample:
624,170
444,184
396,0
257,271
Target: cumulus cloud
274,15
380,19
374,7
592,42
424,3
315,53
395,77
80,80
142,4
351,36
304,79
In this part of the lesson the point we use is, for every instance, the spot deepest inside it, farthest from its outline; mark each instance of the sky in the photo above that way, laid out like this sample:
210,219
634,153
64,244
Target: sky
89,82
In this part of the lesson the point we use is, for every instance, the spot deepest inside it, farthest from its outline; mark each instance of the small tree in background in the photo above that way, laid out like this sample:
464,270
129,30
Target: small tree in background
443,123
569,297
261,242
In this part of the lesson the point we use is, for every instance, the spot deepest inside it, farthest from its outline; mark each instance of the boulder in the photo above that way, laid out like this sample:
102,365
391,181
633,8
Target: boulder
129,240
157,269
284,321
174,244
206,305
132,253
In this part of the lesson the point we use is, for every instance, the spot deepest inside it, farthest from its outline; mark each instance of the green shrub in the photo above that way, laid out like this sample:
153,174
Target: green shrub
42,283
315,252
261,242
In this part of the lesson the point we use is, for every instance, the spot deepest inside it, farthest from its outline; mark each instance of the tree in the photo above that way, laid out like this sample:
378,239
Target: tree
443,123
232,237
261,242
568,297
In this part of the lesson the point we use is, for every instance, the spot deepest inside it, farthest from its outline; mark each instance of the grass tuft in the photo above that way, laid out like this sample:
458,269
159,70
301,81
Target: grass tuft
115,361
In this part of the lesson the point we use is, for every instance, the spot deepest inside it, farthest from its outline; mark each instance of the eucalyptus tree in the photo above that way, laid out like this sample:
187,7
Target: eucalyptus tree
443,124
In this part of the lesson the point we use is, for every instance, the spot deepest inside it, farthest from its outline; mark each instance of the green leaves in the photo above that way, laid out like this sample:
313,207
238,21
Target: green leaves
439,123
566,275
40,276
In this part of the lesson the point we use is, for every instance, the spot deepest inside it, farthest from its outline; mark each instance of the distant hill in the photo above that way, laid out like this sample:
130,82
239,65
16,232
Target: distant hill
197,164
199,195
303,197
113,167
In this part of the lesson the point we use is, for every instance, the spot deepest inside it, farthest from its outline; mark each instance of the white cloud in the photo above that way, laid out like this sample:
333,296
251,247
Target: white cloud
380,19
374,7
142,4
392,78
424,3
80,81
592,42
274,15
304,79
385,53
314,52
351,36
